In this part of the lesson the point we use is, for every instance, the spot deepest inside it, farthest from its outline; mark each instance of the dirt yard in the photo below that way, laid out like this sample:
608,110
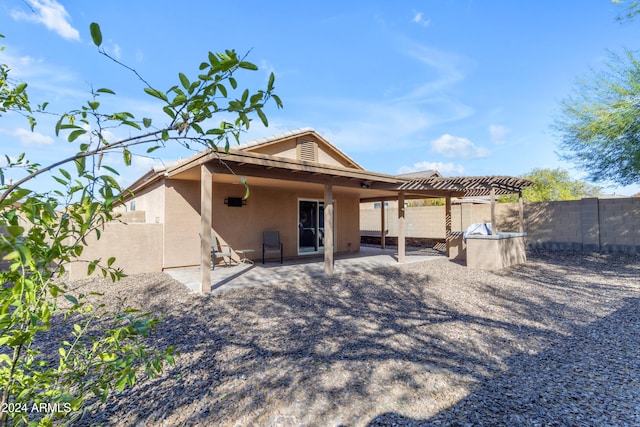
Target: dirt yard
551,342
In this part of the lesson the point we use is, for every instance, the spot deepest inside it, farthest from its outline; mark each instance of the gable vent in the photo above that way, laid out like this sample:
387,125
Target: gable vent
307,151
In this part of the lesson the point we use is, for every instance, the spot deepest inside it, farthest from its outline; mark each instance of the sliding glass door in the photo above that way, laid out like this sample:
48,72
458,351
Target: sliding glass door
310,226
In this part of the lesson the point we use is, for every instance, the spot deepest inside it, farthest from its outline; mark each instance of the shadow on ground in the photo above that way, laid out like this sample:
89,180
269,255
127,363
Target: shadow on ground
372,348
581,380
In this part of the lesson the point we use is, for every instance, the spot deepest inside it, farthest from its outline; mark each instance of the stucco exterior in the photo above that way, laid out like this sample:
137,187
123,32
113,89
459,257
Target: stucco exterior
273,205
268,208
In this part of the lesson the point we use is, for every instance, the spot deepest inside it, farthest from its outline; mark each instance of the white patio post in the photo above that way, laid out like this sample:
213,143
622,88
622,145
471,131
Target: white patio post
401,228
206,192
493,210
328,229
447,223
382,227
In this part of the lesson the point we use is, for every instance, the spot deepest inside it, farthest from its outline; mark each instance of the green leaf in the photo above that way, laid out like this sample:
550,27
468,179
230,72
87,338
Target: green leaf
105,90
80,165
96,34
169,112
127,157
20,88
65,174
146,122
165,135
272,78
184,81
248,66
247,192
152,149
156,93
110,169
179,100
75,134
71,298
222,89
262,117
255,98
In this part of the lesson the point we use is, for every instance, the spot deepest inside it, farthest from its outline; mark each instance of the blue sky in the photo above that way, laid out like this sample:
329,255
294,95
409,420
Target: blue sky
466,87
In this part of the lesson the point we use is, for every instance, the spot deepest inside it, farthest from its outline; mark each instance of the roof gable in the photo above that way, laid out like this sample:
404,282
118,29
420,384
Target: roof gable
301,144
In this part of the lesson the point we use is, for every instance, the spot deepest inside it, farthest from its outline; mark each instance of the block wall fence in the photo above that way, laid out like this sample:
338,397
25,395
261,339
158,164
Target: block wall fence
591,225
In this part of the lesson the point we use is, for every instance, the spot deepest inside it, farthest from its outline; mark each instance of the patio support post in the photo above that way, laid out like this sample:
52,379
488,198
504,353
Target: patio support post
382,227
521,211
447,223
206,192
328,229
401,228
493,210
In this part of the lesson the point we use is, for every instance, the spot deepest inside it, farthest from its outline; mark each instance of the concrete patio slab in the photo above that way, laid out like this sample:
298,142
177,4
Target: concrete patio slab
241,275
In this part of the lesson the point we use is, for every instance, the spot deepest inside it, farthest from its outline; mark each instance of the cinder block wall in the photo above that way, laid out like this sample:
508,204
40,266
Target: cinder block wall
607,225
591,225
429,221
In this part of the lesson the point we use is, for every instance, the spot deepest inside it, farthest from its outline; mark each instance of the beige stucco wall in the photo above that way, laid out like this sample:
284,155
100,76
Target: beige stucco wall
136,246
182,223
150,201
285,149
267,208
493,254
288,149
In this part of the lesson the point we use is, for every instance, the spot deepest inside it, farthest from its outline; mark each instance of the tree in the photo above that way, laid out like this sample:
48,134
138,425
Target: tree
633,9
553,184
599,125
41,232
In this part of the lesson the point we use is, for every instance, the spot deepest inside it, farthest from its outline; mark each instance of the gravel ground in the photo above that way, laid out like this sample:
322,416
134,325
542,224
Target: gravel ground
552,342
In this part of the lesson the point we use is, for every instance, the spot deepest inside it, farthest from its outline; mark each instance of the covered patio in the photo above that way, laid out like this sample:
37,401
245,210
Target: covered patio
242,275
299,184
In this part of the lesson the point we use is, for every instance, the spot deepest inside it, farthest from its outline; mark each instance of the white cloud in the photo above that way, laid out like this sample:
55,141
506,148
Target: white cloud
457,147
418,18
32,139
447,68
114,50
498,134
446,169
51,14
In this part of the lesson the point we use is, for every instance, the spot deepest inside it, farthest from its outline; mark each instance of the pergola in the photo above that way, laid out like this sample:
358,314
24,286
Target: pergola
441,187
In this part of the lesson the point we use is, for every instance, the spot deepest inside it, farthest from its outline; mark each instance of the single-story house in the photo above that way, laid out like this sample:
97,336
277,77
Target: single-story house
300,185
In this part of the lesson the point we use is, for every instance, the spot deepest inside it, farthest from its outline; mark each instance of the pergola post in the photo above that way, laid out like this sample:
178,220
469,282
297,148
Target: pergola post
383,236
328,229
401,227
447,223
206,216
493,210
521,211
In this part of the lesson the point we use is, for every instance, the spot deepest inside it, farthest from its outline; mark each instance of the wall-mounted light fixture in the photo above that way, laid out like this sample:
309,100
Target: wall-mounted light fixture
235,202
364,185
